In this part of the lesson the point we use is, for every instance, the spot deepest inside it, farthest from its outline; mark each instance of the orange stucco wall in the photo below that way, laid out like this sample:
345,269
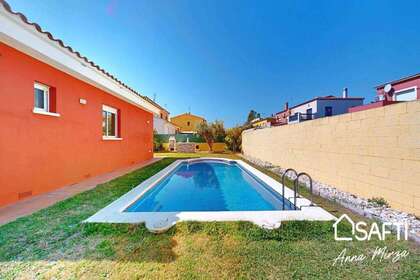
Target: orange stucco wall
40,153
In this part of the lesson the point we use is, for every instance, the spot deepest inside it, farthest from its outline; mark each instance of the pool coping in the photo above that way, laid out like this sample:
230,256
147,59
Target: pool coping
162,221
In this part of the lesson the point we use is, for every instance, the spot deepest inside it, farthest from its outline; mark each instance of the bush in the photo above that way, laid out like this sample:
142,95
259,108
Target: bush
379,201
233,138
158,141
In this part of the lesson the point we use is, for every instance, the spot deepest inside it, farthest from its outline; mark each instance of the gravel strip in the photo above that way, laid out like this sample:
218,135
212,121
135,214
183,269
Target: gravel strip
356,204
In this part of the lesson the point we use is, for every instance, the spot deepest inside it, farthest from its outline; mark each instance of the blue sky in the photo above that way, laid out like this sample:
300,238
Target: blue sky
223,58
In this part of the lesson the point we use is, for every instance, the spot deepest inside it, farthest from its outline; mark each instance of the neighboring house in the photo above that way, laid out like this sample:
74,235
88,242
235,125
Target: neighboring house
187,122
320,107
161,123
64,119
162,126
404,89
281,118
262,123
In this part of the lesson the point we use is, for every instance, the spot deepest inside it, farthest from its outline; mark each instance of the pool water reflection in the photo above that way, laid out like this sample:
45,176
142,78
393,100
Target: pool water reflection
209,185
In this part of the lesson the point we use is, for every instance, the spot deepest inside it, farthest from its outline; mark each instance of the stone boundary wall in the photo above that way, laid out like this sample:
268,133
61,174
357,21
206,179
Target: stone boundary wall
372,153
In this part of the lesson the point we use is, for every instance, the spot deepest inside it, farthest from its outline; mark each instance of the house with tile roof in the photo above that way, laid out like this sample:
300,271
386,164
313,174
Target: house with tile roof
64,118
318,107
401,90
187,122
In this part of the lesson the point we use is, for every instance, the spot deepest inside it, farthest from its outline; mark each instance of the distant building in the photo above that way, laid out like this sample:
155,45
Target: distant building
262,122
280,118
187,122
318,107
161,123
404,89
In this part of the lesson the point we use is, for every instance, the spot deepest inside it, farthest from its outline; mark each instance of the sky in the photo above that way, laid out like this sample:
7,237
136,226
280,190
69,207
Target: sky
220,59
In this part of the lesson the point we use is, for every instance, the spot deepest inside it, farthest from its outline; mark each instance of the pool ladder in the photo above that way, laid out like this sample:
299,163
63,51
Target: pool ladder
296,186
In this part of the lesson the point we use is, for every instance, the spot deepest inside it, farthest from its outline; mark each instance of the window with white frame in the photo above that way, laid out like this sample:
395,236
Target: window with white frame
109,122
42,100
407,94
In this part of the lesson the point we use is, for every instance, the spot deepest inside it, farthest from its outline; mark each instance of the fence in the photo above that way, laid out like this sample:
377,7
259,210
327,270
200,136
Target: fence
372,153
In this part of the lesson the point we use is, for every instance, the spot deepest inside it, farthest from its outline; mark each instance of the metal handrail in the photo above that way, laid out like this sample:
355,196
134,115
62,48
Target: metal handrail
306,116
282,182
296,183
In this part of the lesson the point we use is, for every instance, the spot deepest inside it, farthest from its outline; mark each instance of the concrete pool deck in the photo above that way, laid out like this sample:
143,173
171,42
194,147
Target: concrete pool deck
162,221
32,204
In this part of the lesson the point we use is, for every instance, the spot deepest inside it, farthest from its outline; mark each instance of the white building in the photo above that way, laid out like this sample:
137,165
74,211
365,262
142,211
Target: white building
163,126
320,107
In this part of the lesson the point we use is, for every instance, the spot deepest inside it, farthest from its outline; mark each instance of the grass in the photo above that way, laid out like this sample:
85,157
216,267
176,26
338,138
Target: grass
53,243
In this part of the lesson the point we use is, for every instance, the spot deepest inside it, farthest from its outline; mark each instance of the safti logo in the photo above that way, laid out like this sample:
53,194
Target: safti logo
361,231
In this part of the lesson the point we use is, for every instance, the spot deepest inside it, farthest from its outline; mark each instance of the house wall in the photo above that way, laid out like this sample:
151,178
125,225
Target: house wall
340,106
263,123
162,126
302,108
403,85
372,153
281,117
182,122
40,153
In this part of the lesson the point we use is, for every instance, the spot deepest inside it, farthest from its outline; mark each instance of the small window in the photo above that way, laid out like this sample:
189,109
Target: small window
406,94
42,100
328,111
188,123
109,122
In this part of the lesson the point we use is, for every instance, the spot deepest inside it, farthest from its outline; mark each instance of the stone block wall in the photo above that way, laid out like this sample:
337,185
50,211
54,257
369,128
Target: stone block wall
372,153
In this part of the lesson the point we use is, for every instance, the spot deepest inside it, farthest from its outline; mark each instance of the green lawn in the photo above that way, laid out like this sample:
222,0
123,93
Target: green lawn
53,243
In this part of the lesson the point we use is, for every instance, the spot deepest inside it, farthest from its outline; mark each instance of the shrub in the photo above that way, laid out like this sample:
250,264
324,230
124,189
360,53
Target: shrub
233,138
379,201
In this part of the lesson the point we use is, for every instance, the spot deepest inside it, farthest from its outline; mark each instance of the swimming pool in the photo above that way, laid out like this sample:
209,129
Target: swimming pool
210,185
208,189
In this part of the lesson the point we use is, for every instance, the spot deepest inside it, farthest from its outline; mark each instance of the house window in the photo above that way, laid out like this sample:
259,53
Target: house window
42,100
328,111
408,94
45,100
188,123
309,114
109,122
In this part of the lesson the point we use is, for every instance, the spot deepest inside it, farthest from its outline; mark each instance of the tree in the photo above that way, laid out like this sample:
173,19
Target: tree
219,131
233,138
252,115
212,132
206,131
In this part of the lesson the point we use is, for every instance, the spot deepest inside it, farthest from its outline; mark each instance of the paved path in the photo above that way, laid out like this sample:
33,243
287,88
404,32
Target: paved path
35,203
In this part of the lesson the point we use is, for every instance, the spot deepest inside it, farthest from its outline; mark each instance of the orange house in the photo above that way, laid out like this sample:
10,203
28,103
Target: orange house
63,118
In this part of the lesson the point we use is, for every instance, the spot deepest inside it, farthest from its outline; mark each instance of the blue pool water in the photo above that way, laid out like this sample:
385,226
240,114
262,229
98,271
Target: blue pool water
209,186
